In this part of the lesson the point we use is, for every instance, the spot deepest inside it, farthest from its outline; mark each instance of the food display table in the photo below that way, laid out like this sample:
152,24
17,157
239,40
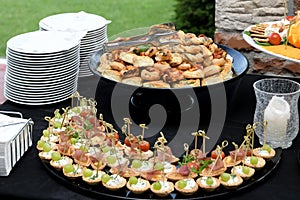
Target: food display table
29,179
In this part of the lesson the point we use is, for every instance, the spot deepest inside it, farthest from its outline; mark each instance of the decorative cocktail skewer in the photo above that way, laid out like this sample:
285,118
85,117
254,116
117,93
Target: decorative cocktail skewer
196,134
143,126
101,118
65,114
110,132
204,137
186,149
128,123
250,133
197,153
75,99
143,144
160,144
236,149
284,4
219,150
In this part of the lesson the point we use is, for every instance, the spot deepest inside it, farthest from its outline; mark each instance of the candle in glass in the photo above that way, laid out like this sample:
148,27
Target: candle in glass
277,114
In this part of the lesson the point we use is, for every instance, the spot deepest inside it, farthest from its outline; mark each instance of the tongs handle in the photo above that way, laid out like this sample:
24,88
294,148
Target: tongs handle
149,38
154,39
110,46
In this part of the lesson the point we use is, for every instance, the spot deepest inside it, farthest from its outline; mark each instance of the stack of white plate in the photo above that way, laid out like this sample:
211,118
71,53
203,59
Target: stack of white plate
93,25
42,67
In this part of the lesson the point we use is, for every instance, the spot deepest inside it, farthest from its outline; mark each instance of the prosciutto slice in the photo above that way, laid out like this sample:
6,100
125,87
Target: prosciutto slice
240,154
80,156
165,154
64,147
184,170
217,164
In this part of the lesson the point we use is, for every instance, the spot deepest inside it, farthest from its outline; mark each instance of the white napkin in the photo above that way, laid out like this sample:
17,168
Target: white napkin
15,139
10,127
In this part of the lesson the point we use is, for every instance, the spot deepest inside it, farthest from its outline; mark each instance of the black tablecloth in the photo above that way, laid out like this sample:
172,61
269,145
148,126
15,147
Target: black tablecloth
29,178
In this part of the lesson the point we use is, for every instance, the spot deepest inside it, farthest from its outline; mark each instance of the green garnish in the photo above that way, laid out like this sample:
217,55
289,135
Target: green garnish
247,33
203,165
87,125
186,159
142,48
262,43
75,135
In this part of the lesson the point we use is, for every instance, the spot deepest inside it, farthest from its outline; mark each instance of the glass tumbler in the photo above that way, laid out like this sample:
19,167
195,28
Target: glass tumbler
277,108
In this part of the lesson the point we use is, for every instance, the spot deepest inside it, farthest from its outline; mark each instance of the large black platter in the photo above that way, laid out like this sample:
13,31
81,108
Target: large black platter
100,191
240,66
175,101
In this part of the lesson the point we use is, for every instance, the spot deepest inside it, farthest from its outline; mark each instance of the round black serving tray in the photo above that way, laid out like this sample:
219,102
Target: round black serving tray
299,157
99,190
175,101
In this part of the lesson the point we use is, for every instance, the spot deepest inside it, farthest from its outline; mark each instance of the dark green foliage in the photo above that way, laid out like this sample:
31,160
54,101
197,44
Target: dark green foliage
195,16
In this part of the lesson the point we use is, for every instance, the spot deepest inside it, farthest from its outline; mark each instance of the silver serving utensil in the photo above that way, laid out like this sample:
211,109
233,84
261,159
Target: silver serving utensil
156,36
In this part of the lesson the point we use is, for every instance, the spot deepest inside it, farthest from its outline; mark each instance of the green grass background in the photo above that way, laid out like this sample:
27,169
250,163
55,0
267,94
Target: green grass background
21,16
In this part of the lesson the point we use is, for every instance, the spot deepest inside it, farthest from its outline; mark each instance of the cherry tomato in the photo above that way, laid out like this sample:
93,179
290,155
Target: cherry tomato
249,152
114,136
214,154
275,39
144,145
289,18
129,140
193,165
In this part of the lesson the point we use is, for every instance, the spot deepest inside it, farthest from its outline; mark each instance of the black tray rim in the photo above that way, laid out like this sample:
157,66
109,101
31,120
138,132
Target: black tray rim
85,189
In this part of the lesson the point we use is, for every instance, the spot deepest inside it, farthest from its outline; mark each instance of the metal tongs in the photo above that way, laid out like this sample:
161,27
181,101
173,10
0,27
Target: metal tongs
158,35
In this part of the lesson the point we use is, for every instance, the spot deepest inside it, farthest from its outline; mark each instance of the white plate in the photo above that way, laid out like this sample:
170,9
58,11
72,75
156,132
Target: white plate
88,52
80,21
45,93
251,42
11,88
101,30
46,66
34,72
47,61
93,43
46,90
38,73
94,37
37,58
40,77
42,55
37,95
38,102
38,83
44,41
27,90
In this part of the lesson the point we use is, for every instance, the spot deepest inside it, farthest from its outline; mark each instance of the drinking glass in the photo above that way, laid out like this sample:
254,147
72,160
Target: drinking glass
277,108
